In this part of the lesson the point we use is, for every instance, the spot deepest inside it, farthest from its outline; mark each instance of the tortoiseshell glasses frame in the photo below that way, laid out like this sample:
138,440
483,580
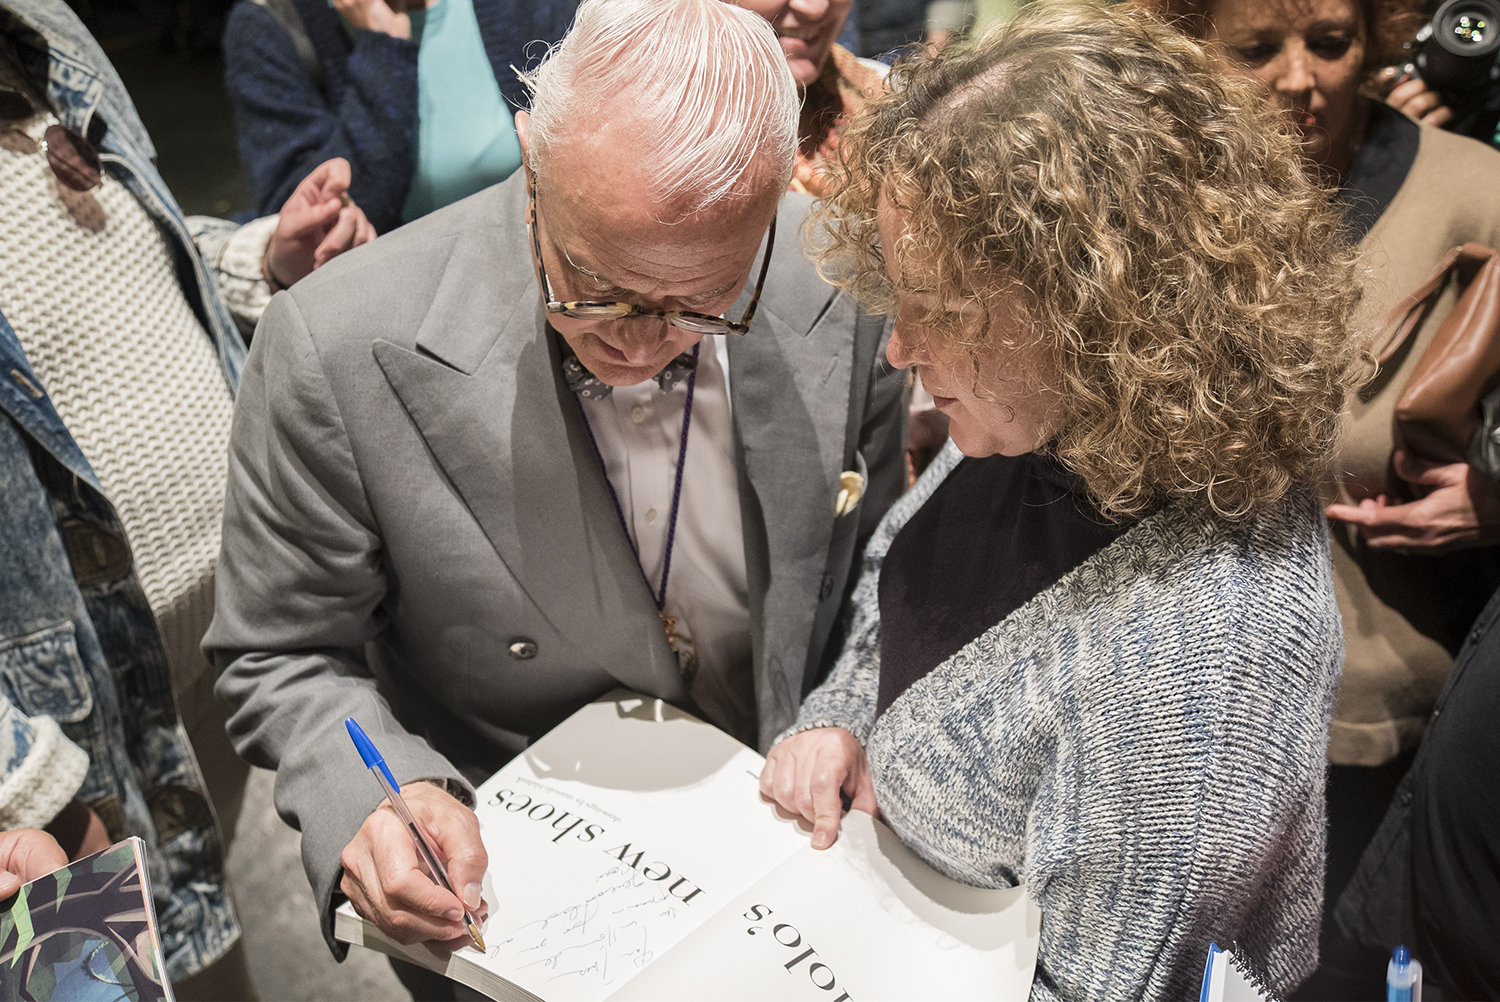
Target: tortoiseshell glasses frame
699,323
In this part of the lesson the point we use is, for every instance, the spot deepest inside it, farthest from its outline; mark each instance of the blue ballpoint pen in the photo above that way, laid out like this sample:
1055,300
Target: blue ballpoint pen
376,764
1403,977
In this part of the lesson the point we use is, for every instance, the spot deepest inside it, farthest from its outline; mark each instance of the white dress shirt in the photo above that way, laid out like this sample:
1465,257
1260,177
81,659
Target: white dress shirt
638,429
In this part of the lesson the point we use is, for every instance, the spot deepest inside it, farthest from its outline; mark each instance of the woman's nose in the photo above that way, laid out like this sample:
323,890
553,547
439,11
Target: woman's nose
897,352
810,10
1293,72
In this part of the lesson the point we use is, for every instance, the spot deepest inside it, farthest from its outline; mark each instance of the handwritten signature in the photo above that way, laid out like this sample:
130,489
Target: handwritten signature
599,938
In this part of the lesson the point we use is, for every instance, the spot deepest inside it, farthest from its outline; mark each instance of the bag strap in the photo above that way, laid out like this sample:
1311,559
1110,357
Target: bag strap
1411,311
291,22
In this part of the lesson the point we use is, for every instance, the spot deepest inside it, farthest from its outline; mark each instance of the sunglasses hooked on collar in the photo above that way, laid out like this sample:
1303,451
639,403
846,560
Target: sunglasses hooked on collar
71,159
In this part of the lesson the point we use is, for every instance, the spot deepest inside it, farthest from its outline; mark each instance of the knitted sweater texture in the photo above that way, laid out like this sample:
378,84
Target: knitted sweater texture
1142,744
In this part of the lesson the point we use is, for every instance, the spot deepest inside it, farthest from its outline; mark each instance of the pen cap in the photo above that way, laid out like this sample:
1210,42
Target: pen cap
1403,977
366,747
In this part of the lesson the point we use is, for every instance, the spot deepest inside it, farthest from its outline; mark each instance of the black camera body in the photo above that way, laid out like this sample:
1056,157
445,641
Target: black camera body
1456,52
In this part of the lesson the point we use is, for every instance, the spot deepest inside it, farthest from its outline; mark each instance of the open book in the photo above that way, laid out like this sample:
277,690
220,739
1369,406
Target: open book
85,932
631,857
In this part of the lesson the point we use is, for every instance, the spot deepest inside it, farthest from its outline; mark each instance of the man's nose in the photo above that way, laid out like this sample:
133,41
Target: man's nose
640,337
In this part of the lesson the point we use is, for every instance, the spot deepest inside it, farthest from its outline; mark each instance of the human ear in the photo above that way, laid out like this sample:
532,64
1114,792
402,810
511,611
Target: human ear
523,133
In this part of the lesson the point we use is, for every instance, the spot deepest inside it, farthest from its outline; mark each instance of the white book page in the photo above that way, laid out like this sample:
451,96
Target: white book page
1238,987
864,920
1225,982
611,839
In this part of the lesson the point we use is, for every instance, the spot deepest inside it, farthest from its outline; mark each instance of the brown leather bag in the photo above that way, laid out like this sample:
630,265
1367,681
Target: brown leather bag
1439,414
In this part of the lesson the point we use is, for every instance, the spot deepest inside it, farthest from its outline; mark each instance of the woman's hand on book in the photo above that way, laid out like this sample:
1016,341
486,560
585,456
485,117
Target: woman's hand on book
811,773
386,882
26,854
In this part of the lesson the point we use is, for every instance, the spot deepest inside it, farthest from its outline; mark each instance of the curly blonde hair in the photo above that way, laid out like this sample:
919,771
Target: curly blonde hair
1182,273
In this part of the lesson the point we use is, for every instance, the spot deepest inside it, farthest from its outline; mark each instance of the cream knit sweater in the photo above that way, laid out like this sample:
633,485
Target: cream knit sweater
136,380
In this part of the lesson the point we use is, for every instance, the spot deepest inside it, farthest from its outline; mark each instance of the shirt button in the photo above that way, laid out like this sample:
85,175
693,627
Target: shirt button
638,414
651,514
522,649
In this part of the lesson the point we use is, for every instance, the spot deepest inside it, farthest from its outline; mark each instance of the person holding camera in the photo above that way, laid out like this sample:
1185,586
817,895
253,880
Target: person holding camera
1451,80
415,94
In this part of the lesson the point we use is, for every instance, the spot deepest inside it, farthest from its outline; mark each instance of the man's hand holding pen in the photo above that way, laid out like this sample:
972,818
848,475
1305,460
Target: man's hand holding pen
387,882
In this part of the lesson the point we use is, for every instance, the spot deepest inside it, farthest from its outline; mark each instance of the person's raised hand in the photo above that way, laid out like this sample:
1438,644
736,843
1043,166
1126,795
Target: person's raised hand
1460,511
317,224
375,15
1411,96
387,883
808,774
26,854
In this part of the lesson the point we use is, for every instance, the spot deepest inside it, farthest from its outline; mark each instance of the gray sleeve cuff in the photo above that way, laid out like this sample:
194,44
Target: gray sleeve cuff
410,760
233,255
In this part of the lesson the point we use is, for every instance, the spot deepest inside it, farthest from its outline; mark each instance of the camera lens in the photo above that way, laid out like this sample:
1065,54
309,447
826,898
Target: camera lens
1461,50
1468,28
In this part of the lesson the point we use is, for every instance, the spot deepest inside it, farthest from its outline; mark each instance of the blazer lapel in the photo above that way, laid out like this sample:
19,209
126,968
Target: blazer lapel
790,384
484,390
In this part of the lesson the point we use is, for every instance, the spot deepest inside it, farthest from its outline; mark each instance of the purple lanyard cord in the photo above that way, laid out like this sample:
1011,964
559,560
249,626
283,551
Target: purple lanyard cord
687,417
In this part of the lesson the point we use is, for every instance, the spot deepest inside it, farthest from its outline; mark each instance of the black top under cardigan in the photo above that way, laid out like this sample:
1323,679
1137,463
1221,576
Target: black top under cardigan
996,533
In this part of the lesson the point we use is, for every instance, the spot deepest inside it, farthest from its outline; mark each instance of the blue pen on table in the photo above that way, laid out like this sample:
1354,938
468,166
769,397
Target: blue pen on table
376,764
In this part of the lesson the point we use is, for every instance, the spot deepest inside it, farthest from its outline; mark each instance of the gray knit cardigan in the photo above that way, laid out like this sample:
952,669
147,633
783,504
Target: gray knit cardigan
1141,743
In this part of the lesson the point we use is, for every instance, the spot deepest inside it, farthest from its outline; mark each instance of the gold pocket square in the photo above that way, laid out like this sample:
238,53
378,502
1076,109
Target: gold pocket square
851,489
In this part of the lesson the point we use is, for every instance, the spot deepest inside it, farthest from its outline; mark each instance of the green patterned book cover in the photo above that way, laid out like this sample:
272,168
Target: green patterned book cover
84,933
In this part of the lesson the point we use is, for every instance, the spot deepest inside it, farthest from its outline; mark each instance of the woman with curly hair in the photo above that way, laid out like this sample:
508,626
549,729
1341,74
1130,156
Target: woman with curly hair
1095,649
1414,554
1412,576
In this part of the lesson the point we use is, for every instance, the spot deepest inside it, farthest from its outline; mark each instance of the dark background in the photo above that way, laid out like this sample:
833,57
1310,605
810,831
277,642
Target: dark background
167,52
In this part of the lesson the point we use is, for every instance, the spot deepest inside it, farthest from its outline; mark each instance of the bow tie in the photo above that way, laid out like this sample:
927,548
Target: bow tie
590,387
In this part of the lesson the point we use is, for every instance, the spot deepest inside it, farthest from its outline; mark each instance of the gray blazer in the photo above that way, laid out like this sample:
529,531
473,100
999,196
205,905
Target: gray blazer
412,491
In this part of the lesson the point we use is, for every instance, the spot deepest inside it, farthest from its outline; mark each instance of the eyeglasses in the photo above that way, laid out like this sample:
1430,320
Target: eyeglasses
75,165
699,323
73,160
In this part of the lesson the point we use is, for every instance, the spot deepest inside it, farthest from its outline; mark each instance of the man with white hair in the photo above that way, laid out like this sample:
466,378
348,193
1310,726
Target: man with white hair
518,453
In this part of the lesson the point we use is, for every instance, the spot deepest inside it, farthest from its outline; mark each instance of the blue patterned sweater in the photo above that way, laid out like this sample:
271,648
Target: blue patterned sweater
1142,744
368,116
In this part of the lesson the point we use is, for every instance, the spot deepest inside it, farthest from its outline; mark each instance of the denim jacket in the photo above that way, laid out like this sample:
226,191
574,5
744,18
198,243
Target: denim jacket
78,641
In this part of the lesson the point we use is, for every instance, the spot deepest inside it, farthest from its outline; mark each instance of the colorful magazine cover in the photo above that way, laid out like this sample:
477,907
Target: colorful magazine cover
84,933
